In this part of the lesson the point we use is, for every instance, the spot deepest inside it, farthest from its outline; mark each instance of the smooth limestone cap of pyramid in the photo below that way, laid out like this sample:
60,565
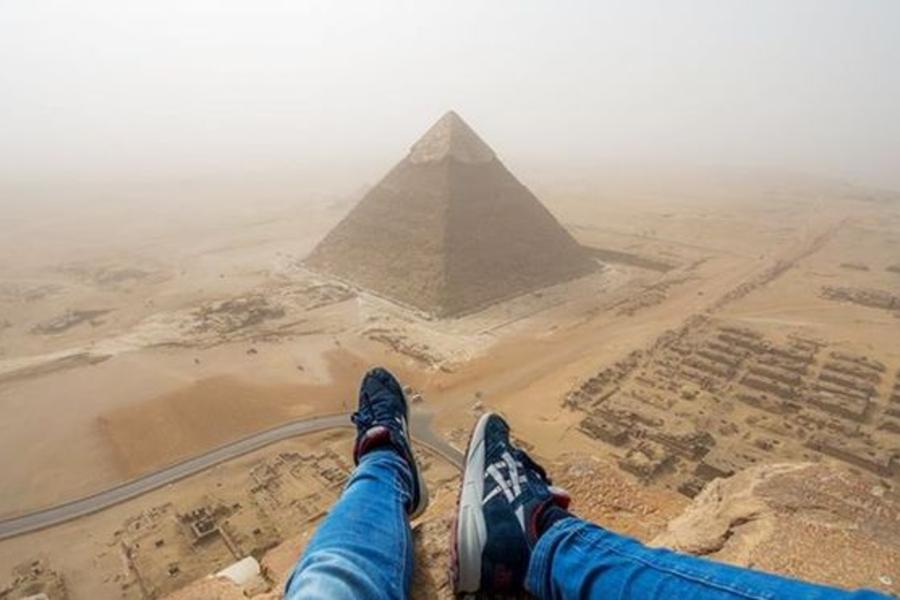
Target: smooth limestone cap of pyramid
451,137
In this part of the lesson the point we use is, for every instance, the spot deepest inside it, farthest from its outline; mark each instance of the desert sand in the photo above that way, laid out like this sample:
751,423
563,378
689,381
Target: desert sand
733,319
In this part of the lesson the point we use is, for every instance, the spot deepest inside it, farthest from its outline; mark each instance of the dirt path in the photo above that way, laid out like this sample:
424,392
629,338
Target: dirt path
517,372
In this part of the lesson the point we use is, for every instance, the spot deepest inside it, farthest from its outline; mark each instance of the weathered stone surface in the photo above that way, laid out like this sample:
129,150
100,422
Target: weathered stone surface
812,521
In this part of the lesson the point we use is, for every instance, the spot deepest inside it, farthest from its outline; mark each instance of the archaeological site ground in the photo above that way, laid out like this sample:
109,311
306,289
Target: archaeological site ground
706,359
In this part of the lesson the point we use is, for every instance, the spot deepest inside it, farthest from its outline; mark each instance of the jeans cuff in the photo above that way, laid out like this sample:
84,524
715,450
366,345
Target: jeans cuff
538,576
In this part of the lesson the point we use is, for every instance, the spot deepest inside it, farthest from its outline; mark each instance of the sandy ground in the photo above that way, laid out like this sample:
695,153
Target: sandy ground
132,335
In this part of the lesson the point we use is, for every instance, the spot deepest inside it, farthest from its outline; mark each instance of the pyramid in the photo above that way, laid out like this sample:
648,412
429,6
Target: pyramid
450,230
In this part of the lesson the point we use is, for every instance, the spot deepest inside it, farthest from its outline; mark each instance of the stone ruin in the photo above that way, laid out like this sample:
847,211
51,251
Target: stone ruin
863,296
714,398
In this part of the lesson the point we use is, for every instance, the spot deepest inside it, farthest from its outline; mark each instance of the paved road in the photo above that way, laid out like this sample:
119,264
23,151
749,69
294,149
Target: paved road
73,509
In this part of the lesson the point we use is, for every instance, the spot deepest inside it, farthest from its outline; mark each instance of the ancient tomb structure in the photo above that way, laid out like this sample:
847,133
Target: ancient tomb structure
450,230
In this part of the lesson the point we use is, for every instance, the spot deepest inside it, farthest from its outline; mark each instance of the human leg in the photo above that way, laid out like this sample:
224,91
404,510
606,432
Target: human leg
502,494
513,531
576,560
363,549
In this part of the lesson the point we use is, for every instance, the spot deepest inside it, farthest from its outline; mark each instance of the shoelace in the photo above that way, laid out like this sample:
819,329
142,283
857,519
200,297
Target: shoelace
531,465
372,412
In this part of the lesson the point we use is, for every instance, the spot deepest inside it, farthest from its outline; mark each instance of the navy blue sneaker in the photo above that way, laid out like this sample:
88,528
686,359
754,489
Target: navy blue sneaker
504,492
383,420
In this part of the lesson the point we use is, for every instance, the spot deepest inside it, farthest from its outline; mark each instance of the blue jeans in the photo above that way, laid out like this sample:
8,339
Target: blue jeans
363,550
575,560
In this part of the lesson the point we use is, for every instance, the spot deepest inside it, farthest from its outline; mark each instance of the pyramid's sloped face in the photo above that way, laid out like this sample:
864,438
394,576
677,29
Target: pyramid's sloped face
504,241
392,242
451,233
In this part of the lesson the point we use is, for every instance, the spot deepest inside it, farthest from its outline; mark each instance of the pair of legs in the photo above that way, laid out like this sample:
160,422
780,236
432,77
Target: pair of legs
512,532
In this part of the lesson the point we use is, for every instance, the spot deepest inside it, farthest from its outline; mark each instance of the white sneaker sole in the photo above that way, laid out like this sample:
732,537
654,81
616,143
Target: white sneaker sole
471,530
423,489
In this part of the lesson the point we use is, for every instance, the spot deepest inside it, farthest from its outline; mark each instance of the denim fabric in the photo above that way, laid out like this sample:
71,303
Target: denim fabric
363,548
575,560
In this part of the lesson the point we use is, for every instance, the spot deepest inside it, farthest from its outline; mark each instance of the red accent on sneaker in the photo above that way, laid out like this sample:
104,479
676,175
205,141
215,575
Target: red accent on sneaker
558,497
532,532
374,437
503,579
561,497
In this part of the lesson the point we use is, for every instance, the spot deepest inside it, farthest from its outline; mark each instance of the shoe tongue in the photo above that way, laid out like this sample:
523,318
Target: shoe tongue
381,406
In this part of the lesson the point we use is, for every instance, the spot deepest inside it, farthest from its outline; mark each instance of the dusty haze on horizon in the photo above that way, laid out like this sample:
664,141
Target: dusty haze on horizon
103,89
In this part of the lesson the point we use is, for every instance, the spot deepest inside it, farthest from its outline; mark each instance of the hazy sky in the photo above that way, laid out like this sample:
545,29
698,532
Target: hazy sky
216,85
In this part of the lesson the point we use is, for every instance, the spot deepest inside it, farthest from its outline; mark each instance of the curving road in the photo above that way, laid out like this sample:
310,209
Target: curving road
86,505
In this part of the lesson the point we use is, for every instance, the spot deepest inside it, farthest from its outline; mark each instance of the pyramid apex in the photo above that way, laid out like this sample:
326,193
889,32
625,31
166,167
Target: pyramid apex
451,137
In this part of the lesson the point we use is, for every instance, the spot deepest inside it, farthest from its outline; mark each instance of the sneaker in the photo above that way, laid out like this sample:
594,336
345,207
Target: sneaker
383,420
502,496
